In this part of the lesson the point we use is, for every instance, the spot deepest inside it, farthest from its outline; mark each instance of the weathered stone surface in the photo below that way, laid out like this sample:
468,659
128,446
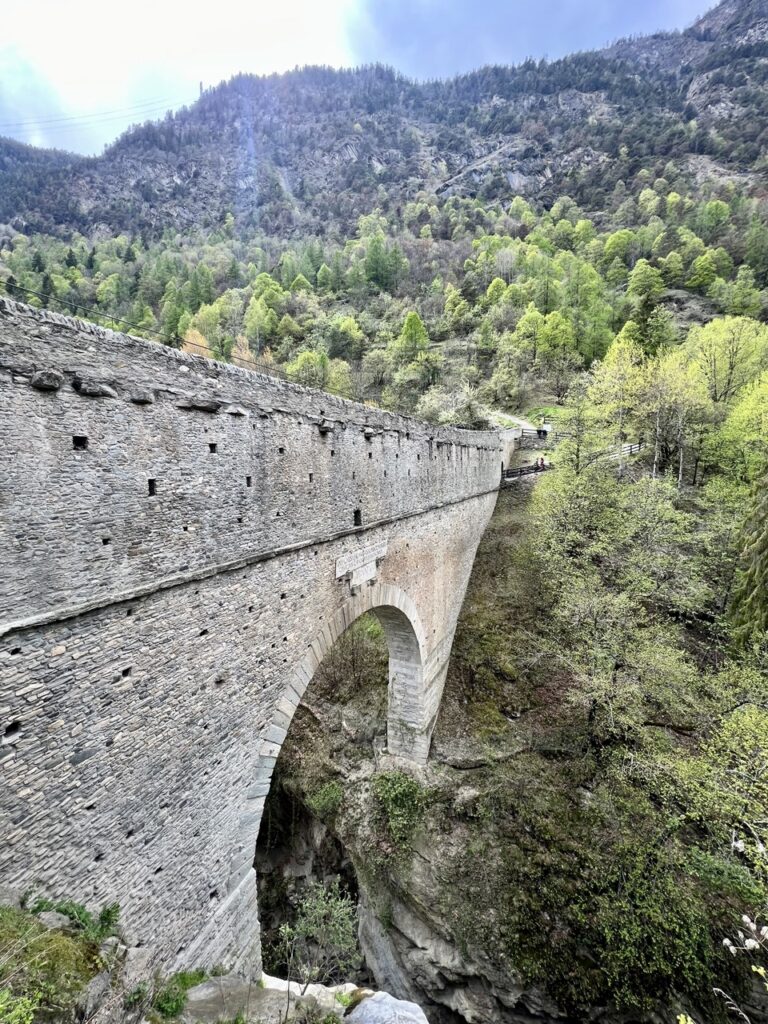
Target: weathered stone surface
53,919
10,897
199,402
47,380
142,397
91,388
169,589
96,994
382,1008
227,997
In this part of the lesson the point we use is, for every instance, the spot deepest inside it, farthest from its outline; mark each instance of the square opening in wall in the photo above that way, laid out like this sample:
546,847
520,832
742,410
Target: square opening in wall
79,442
247,481
358,517
213,447
152,487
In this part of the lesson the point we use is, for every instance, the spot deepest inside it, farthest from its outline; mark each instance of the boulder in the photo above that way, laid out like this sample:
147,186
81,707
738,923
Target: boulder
47,380
96,994
90,388
10,897
382,1008
53,919
230,995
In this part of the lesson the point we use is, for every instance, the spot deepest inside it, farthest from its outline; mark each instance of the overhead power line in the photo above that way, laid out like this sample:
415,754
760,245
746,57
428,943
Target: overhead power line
78,119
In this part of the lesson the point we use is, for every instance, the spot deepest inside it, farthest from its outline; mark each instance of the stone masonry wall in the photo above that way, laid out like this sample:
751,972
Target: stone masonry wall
242,464
146,683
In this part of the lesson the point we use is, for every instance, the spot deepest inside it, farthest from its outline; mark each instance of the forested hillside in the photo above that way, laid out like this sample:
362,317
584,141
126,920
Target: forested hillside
452,305
306,153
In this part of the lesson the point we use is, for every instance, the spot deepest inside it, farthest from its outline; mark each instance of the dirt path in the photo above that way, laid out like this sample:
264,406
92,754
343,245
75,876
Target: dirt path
503,419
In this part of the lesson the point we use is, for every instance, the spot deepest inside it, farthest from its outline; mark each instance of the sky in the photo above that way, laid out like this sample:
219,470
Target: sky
75,75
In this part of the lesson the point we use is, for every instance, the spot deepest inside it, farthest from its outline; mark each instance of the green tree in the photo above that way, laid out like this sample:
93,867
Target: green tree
703,272
757,251
320,945
300,284
324,278
617,385
345,338
528,333
673,269
377,367
495,291
261,322
377,267
412,340
311,368
730,353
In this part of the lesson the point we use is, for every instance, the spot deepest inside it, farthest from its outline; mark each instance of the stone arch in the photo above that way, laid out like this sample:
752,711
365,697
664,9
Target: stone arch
406,642
409,719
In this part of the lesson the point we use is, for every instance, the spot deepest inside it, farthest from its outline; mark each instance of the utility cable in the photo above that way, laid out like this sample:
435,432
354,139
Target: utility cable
87,118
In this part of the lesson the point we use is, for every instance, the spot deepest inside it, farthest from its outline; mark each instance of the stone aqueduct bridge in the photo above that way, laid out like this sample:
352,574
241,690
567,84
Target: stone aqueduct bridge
182,543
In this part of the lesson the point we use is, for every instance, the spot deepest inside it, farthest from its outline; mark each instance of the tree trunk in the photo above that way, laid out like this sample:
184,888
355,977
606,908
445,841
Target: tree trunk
656,445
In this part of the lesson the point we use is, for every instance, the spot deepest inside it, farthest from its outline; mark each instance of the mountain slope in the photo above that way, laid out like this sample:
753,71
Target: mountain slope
308,151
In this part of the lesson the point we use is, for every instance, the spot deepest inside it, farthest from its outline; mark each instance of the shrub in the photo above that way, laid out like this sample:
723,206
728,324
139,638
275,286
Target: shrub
94,929
16,1009
321,944
402,800
326,801
171,998
136,996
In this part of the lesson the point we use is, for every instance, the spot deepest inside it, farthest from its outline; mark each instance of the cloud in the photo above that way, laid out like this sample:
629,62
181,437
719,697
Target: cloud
438,38
105,71
83,76
26,98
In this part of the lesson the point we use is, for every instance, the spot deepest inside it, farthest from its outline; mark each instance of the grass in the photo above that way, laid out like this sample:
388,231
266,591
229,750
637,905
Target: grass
549,412
171,997
94,928
44,968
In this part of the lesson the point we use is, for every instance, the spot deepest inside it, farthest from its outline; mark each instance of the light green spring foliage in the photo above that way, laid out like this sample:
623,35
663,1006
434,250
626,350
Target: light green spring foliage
751,598
16,1009
171,996
455,292
320,945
